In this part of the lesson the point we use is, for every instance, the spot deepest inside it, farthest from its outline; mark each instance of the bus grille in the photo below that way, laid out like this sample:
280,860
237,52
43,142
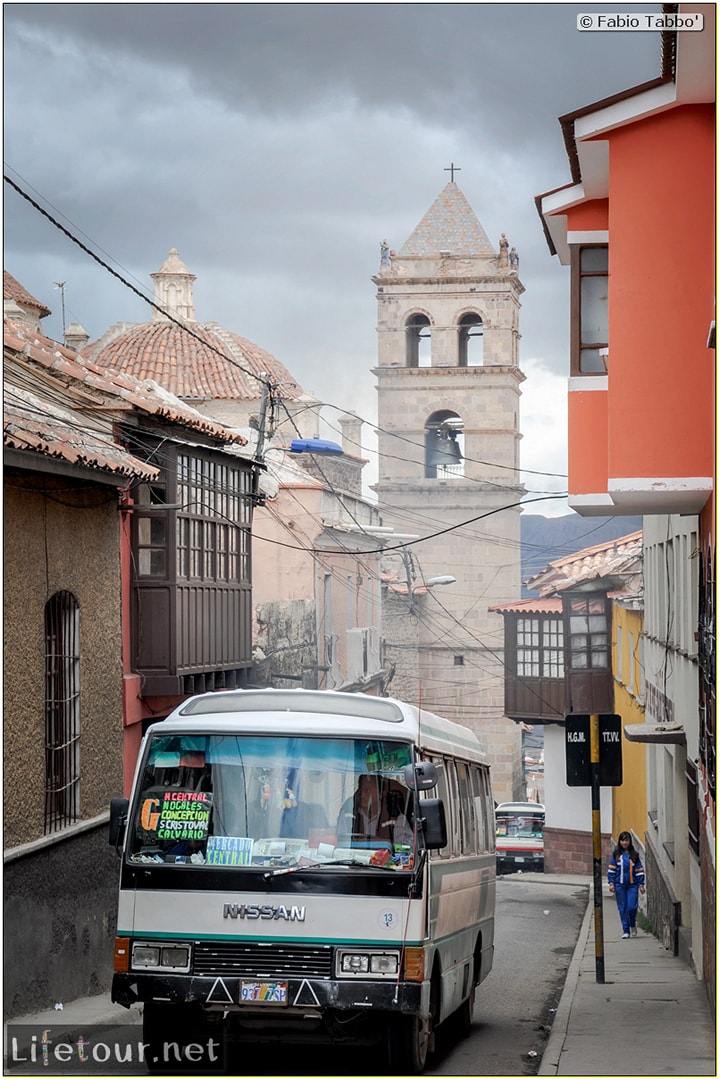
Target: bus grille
255,960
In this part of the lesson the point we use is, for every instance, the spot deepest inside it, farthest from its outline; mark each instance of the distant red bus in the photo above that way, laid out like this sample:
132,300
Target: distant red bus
519,843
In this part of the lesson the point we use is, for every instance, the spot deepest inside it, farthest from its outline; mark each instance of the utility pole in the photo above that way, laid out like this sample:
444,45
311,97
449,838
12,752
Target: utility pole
597,847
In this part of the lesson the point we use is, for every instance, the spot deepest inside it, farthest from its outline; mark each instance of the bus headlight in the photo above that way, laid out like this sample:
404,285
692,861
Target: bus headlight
145,956
381,964
161,957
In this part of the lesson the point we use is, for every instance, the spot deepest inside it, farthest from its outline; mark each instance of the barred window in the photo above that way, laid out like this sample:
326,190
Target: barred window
62,711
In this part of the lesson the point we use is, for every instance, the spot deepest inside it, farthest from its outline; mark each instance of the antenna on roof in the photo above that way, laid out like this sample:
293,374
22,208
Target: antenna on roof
61,286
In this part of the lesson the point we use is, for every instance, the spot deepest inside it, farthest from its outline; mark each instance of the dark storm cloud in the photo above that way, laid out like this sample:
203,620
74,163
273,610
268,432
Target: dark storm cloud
276,145
517,62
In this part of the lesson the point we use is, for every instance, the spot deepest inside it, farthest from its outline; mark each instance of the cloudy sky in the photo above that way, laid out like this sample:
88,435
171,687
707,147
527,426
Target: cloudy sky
276,145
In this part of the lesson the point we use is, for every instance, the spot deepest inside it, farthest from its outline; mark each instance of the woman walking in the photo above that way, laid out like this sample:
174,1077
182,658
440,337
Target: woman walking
626,877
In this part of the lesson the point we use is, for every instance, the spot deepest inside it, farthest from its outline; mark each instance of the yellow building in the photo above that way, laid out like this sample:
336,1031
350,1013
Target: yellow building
630,800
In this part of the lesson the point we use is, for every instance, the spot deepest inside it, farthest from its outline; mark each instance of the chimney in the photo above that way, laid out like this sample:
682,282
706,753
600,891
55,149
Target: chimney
76,336
351,426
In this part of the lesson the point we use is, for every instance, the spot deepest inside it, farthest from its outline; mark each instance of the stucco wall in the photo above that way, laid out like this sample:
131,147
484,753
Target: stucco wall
630,805
67,540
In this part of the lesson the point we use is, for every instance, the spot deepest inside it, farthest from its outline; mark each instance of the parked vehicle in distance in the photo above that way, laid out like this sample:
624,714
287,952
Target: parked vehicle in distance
519,843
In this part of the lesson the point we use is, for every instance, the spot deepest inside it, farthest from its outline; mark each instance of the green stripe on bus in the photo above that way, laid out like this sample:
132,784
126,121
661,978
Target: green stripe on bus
368,942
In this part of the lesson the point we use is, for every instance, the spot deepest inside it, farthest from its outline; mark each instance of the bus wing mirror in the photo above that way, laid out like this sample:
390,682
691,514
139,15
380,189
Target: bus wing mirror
432,823
118,821
421,775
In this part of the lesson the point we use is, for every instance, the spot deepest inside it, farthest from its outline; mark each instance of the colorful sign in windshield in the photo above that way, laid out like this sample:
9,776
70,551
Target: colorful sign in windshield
177,815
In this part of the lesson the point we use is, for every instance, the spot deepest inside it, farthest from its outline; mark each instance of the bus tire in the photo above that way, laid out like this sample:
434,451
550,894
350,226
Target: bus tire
464,1015
408,1043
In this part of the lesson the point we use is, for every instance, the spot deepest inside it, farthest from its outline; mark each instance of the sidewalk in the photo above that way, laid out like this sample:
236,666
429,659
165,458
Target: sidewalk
650,1017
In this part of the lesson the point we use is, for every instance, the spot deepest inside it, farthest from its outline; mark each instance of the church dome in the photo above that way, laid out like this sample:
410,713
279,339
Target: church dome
195,361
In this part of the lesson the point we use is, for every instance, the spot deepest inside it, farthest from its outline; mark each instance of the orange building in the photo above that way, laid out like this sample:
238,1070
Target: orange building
636,225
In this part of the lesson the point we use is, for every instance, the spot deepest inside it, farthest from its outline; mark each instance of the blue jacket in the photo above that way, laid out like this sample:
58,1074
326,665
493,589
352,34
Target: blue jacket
623,871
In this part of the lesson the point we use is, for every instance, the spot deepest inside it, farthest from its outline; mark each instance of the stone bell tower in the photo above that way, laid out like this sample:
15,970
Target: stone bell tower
448,385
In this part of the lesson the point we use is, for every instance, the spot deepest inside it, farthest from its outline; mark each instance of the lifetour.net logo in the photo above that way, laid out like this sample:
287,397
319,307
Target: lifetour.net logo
94,1050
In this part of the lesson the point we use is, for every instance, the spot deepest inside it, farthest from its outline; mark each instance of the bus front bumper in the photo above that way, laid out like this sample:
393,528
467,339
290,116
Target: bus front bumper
301,995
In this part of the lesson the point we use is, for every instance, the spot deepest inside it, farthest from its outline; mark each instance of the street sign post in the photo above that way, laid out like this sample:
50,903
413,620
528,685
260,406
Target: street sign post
577,750
593,758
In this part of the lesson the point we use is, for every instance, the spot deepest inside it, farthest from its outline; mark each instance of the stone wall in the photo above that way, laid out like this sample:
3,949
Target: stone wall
60,914
286,632
570,851
663,906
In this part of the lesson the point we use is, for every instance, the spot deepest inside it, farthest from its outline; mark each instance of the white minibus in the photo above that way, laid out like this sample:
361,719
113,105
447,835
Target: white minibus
519,842
303,865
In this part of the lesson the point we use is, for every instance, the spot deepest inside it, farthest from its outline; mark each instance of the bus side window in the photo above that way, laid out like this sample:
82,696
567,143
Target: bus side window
467,810
442,792
480,804
454,822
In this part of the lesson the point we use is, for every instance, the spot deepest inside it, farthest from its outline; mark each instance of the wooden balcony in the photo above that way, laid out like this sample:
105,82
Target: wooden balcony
535,700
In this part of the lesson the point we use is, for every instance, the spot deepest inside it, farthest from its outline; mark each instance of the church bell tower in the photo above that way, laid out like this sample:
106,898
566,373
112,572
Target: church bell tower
448,382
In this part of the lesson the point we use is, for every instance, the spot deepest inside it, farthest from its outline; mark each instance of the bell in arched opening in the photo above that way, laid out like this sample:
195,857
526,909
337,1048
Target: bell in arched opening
442,452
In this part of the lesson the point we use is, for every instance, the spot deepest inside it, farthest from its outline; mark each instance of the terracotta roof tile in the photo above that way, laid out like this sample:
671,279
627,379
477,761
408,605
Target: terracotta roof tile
615,559
532,606
204,362
110,388
13,290
32,422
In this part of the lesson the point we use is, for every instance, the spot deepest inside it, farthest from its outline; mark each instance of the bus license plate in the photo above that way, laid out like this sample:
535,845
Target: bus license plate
266,993
519,858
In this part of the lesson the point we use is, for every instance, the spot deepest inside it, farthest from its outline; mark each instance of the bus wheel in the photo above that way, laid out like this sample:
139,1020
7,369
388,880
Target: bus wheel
464,1015
408,1043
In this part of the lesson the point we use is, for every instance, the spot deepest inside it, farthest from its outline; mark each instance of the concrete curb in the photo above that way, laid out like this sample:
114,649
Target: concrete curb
556,1039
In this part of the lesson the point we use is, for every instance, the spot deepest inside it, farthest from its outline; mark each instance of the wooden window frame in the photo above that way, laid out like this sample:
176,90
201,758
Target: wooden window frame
577,275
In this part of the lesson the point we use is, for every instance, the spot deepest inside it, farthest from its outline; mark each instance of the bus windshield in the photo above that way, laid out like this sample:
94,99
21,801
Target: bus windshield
523,824
257,801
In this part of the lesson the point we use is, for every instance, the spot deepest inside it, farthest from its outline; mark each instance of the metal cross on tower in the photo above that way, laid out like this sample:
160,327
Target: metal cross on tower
453,168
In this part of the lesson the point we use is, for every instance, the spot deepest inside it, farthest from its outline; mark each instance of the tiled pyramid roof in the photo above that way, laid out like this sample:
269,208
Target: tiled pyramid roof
205,362
449,225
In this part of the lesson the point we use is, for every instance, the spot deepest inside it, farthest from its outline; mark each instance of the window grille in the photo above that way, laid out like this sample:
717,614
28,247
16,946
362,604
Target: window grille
62,711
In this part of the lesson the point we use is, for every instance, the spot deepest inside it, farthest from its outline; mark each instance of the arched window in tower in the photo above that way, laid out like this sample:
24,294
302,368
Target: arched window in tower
470,341
444,446
417,330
